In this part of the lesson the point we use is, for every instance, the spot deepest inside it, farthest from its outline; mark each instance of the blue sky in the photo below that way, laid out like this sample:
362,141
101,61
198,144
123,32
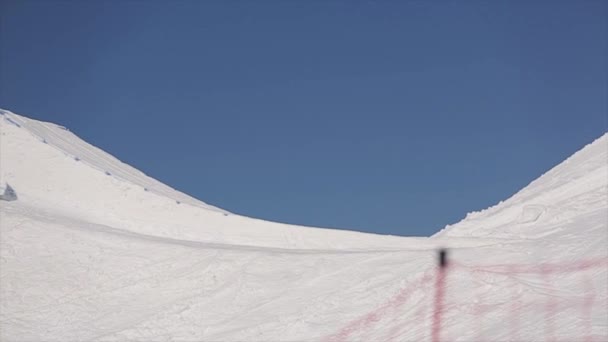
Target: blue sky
395,117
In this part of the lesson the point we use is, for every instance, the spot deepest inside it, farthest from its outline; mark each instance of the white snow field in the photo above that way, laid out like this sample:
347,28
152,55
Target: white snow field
92,249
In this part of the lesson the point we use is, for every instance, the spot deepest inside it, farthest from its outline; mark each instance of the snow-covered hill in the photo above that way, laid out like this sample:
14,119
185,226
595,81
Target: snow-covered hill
94,250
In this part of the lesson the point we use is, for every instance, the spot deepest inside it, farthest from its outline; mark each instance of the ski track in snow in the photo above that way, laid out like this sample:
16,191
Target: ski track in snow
94,250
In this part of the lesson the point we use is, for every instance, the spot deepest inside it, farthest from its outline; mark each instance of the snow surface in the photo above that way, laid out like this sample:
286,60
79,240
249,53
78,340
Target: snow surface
95,250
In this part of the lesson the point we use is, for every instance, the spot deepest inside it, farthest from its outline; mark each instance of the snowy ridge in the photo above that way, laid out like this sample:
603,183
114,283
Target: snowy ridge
87,255
68,143
44,163
548,198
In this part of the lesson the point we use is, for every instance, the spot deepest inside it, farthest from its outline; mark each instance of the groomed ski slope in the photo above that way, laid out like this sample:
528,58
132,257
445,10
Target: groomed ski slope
94,250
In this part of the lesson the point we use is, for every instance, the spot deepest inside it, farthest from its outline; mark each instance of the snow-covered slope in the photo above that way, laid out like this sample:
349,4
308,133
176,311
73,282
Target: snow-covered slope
574,189
67,143
54,170
94,250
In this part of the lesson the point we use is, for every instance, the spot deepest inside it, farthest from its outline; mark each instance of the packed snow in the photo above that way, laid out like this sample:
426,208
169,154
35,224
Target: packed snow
92,249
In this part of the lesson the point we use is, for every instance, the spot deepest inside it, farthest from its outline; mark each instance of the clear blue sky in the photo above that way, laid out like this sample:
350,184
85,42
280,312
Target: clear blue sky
395,117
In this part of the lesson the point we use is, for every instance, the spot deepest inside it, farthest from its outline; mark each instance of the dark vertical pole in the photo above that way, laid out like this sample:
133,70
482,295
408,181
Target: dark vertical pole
442,266
443,258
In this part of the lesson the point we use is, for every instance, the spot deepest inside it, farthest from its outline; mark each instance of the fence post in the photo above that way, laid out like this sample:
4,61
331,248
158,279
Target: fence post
442,265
